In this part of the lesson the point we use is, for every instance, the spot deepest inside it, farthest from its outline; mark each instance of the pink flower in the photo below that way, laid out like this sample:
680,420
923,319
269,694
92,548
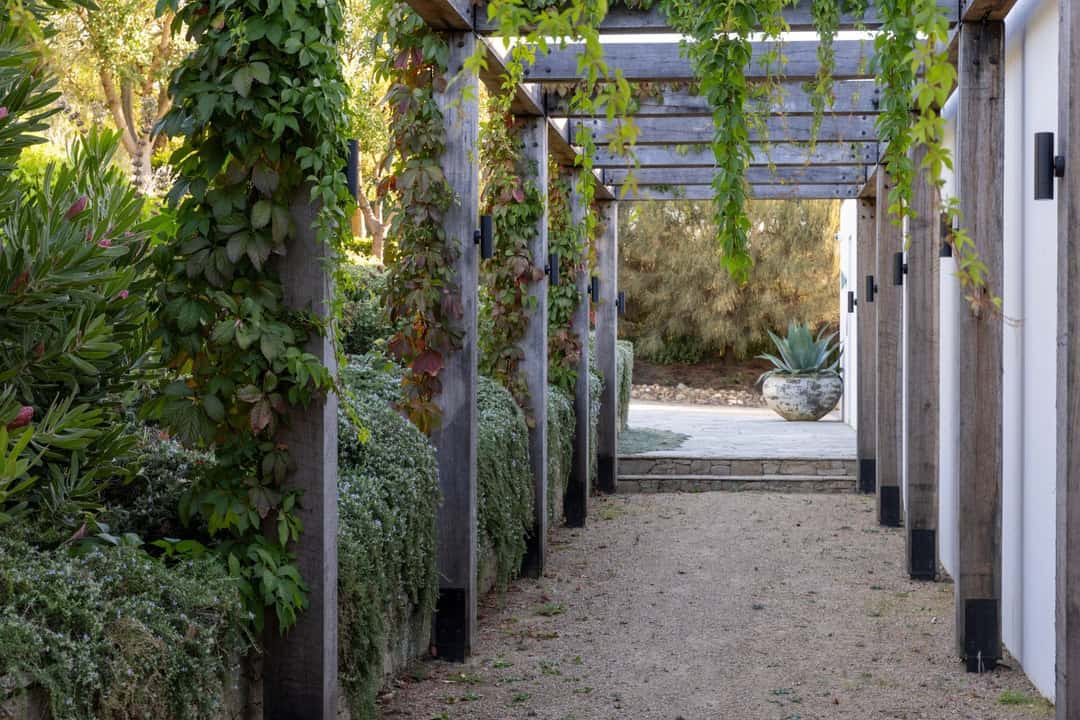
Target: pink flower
3,112
105,242
26,414
76,207
123,295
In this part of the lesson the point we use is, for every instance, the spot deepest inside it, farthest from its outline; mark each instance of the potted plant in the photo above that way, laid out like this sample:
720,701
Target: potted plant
804,383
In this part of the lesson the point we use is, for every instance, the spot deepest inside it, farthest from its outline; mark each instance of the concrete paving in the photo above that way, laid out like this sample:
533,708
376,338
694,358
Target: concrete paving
734,432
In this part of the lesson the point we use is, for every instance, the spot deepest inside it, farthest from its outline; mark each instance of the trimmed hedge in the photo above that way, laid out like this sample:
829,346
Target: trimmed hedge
560,448
388,497
364,325
504,481
624,372
116,634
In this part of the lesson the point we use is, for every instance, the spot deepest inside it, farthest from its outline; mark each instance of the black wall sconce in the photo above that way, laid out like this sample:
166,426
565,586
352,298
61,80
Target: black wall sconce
871,288
620,303
1047,166
485,237
946,236
352,169
899,269
552,269
594,288
851,301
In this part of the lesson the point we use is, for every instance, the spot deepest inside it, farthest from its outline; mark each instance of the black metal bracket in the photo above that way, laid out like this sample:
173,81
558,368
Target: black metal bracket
594,288
923,554
1047,166
871,288
899,269
889,506
851,301
451,633
620,303
867,475
982,634
485,237
552,269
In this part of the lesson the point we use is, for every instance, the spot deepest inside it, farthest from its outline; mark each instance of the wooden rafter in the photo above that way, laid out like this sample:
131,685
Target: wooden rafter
778,129
763,192
757,175
675,156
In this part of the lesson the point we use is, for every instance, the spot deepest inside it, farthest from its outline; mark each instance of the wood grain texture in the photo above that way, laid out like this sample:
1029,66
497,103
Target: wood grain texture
576,504
455,440
824,153
666,62
755,175
887,311
980,10
445,14
866,264
851,96
980,172
607,331
923,342
650,193
1067,626
698,130
300,668
534,347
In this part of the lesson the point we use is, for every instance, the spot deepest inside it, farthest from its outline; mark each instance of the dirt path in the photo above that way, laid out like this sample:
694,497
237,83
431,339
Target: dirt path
718,606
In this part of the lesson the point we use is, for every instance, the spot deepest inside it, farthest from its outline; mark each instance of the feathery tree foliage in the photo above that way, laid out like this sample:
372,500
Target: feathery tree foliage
683,307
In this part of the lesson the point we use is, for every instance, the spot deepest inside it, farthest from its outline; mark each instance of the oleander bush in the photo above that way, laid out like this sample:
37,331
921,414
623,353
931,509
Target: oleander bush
113,633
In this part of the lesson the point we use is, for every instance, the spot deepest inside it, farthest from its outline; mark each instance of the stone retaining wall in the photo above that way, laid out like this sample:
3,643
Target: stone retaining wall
637,465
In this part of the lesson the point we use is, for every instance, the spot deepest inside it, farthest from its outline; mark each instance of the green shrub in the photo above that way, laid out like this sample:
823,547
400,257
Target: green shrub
364,321
115,634
624,372
596,389
560,448
504,480
387,503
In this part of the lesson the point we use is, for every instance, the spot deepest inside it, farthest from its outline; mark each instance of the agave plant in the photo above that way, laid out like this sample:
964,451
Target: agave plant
803,354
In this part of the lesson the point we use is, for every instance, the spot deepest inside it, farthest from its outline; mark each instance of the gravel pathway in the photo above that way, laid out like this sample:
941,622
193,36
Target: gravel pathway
718,606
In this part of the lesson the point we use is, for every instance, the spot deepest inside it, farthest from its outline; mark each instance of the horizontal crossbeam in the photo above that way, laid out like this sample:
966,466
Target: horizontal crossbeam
778,129
757,175
791,98
675,156
642,62
621,19
761,192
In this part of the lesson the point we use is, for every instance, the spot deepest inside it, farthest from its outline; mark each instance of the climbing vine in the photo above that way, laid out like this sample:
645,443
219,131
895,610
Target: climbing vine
259,106
826,16
567,240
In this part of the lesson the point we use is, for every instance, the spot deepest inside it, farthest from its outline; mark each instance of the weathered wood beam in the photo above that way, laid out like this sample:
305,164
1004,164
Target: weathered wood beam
607,332
756,175
791,98
621,19
888,300
679,156
301,666
534,348
698,130
639,62
980,163
866,387
445,14
980,10
454,624
576,501
528,98
761,192
1067,625
923,374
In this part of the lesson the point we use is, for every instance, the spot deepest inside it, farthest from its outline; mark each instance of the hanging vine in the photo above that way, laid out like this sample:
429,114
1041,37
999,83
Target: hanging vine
565,239
826,15
259,105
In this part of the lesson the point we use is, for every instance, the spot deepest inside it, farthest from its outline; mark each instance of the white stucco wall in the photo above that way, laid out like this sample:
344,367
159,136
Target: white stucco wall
848,325
949,378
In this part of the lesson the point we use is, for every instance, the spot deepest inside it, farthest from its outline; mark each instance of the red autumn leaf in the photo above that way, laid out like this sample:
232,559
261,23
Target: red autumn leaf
398,346
428,362
519,194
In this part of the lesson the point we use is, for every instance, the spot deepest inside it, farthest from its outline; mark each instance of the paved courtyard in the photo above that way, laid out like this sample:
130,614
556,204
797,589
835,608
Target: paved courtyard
734,432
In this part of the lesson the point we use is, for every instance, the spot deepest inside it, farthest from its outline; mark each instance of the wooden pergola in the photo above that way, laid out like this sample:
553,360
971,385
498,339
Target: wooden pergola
675,162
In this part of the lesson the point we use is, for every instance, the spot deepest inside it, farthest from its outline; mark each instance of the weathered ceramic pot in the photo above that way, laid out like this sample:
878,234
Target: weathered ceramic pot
802,397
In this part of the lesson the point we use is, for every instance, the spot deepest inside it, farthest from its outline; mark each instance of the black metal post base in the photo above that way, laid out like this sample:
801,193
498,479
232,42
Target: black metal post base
867,475
532,564
889,510
606,481
982,639
450,637
923,559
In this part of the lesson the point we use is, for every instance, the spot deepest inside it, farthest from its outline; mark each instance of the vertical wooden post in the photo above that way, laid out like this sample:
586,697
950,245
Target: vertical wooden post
576,502
300,671
607,331
866,387
454,626
924,231
888,401
980,172
534,345
1067,626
